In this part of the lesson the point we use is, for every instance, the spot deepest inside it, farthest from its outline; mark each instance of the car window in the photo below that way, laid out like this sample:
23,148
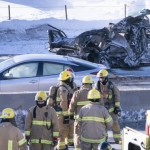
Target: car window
84,62
82,67
52,68
6,63
23,70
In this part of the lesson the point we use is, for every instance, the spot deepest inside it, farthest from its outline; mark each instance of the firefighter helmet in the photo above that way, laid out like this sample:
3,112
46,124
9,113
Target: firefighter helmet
71,71
7,113
104,146
87,79
94,94
64,75
40,96
102,73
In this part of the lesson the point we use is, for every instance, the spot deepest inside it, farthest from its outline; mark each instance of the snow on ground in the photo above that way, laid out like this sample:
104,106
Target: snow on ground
83,15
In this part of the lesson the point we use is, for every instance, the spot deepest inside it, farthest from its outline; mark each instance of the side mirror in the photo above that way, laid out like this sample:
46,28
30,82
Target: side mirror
8,75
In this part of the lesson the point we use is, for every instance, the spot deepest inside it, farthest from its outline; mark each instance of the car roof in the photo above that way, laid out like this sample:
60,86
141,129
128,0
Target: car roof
34,57
54,58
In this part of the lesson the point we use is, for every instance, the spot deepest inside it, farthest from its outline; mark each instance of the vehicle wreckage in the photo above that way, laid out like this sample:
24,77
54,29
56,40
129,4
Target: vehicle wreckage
124,44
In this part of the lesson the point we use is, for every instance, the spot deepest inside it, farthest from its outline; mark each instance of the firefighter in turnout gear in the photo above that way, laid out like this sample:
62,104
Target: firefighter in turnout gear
41,124
94,120
11,137
73,86
78,100
111,98
62,99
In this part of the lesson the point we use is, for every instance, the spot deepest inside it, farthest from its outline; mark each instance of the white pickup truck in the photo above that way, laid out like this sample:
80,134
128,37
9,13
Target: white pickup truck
135,140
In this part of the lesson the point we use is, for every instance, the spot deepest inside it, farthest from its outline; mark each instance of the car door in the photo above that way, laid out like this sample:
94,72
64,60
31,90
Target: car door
50,75
21,78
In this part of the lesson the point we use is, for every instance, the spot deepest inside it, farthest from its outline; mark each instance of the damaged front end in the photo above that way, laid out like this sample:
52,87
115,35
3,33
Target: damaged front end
124,44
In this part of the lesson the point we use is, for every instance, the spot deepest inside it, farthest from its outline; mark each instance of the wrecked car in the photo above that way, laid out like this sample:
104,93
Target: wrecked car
124,44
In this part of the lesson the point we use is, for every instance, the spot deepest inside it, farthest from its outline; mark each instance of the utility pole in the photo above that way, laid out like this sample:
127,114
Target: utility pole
125,9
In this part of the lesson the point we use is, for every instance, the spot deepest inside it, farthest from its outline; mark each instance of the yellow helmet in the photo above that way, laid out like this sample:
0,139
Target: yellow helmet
64,75
102,73
94,94
7,113
40,96
87,79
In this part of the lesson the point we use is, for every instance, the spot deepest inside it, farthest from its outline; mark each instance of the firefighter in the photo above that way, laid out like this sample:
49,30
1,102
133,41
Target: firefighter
10,136
62,99
94,120
78,100
41,124
105,146
111,98
73,86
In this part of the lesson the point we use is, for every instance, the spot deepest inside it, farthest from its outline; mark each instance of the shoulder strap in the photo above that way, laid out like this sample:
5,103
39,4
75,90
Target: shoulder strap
63,86
34,112
98,86
110,85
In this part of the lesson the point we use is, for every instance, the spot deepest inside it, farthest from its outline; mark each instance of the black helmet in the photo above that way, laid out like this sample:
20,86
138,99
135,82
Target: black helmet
104,146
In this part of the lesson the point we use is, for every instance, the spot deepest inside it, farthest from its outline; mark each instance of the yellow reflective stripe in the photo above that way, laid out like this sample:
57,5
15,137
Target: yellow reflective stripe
58,112
108,119
10,143
82,103
79,119
77,148
27,132
92,118
58,99
116,135
117,104
55,134
35,122
76,117
71,113
65,113
92,140
21,142
61,144
34,140
46,142
40,141
70,140
109,96
111,109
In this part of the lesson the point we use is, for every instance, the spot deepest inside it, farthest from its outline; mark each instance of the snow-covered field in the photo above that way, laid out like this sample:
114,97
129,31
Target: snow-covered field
26,16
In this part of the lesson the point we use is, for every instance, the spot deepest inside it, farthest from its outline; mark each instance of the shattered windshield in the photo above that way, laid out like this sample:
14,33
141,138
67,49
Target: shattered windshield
6,63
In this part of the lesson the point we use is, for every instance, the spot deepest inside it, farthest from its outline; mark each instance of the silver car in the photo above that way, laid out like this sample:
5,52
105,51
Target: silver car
34,72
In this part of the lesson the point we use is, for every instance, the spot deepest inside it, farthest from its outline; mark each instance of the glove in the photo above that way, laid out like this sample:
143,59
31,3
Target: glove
66,120
27,138
117,111
55,141
71,117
